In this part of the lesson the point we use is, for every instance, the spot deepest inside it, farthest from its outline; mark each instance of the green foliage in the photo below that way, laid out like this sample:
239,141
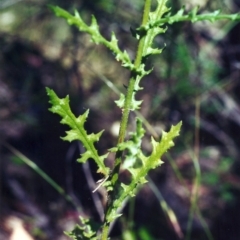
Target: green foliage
134,159
77,132
193,16
140,172
96,36
84,232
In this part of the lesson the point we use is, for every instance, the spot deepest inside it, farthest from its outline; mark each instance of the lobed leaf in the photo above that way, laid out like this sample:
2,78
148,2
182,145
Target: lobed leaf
96,36
193,16
139,173
84,232
135,104
159,148
77,130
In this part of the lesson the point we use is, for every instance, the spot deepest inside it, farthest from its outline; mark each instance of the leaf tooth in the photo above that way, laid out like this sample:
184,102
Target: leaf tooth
135,105
71,135
142,180
133,171
94,25
113,215
77,15
154,144
82,118
120,102
180,12
85,156
114,40
143,158
102,168
234,16
93,137
127,190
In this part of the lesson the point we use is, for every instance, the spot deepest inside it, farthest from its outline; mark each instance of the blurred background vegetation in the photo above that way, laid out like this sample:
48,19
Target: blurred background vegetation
196,78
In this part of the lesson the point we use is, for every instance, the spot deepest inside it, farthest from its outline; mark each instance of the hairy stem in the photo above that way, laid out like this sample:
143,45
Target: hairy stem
123,126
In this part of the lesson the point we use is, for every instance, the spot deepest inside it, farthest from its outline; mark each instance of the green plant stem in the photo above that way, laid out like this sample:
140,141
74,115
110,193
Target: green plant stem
166,208
138,61
123,125
194,197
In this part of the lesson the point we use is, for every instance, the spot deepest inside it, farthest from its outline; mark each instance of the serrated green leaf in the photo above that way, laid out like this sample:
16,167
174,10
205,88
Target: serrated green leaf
96,36
159,148
152,161
77,130
193,17
84,232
